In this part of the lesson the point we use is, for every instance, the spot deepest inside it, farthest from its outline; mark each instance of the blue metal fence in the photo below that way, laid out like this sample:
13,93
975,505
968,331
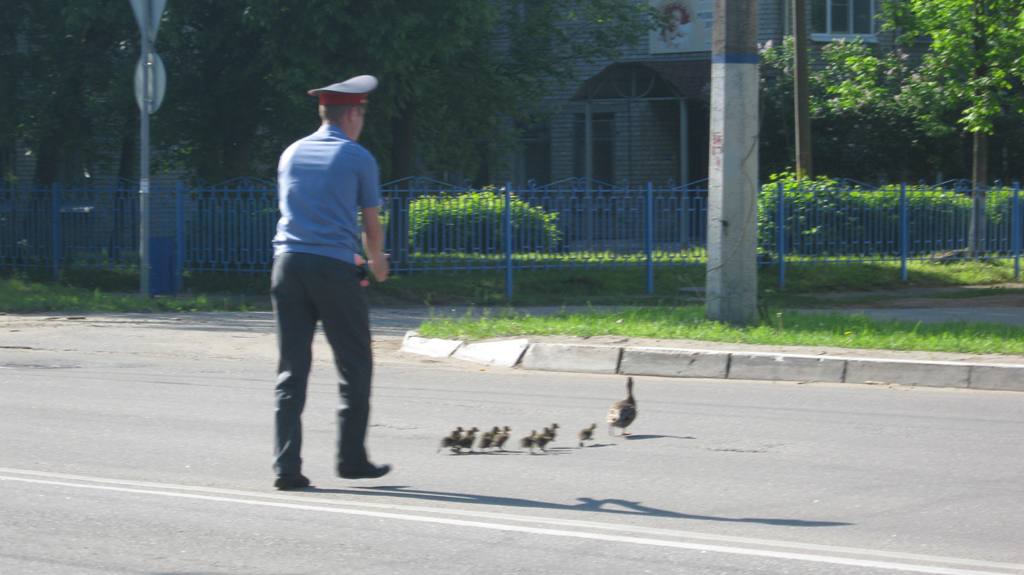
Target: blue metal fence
57,227
435,226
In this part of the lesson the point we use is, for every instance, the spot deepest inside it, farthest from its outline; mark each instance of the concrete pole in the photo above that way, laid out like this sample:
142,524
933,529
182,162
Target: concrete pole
732,203
801,95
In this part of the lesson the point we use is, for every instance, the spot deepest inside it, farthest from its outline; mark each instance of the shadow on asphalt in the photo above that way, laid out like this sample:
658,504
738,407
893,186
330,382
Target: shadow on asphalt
587,504
638,437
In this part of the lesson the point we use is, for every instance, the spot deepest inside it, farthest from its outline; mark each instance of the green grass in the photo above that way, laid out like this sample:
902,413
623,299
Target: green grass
774,328
622,285
20,295
806,285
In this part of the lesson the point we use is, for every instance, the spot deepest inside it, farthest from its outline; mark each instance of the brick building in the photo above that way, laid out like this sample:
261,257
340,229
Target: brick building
645,115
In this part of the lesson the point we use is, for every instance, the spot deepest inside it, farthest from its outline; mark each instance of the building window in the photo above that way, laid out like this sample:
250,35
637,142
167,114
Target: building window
537,154
603,134
843,17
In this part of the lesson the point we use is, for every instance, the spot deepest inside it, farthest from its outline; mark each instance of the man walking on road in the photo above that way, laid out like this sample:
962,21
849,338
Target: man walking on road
324,181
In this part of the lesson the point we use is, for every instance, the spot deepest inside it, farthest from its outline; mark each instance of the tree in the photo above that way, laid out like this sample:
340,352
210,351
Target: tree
455,74
67,89
867,123
974,62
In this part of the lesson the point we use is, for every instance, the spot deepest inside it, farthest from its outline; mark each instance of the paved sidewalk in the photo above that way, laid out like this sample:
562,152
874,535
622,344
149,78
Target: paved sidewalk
702,359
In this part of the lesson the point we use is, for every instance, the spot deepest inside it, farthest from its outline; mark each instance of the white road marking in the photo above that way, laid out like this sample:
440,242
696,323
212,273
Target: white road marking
915,563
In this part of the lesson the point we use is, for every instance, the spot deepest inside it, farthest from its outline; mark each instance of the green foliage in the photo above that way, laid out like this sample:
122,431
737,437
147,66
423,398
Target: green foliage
238,72
473,222
823,216
65,86
973,60
901,113
871,118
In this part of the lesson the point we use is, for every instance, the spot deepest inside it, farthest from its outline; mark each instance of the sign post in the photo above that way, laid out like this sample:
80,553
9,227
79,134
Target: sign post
150,85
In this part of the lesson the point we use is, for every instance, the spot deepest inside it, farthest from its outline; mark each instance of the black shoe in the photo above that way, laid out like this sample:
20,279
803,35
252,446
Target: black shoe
368,471
290,482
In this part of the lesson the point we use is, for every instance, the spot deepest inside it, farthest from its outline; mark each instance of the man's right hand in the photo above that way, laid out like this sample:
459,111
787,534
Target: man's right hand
379,267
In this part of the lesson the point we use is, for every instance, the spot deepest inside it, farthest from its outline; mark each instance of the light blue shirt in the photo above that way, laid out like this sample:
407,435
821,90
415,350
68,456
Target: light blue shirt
323,180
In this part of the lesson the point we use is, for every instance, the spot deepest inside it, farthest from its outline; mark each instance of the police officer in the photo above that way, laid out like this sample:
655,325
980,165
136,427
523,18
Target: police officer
324,181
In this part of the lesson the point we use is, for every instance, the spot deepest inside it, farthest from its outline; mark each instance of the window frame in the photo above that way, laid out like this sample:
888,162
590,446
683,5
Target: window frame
602,145
829,35
536,138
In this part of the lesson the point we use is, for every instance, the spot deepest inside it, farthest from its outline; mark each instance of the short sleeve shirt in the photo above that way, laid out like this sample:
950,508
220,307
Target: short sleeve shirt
323,180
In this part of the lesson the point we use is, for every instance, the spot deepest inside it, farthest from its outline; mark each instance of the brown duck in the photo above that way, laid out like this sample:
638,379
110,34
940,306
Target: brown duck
622,412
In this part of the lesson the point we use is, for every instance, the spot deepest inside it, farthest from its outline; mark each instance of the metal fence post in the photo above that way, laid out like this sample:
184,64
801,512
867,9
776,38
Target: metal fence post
684,227
780,233
649,236
1016,231
179,227
904,231
56,238
508,240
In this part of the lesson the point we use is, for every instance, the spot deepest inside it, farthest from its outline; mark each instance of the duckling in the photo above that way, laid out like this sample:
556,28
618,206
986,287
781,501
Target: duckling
466,441
529,441
451,440
587,433
501,438
542,440
549,433
487,439
622,412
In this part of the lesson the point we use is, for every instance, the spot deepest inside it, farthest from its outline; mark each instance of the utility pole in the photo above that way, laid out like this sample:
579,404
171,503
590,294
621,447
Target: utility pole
804,166
731,284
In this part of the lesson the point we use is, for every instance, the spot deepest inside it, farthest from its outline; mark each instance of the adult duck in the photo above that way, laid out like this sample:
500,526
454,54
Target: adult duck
622,412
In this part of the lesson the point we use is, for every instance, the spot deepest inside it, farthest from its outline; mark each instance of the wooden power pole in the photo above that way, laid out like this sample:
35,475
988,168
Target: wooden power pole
804,167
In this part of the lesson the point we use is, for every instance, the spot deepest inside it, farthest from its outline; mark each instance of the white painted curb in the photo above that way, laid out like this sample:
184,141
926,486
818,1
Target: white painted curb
669,362
997,377
931,374
711,364
505,353
430,347
567,357
786,367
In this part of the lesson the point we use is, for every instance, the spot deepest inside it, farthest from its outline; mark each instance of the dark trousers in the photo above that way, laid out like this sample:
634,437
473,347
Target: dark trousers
307,288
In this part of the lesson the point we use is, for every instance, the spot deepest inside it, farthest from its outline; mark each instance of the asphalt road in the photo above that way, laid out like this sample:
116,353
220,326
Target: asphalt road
143,446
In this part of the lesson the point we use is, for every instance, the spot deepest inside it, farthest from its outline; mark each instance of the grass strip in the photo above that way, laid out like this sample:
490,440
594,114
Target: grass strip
22,296
776,328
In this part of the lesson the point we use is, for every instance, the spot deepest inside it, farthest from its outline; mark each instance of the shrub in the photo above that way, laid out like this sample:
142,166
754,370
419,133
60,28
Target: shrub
473,222
826,217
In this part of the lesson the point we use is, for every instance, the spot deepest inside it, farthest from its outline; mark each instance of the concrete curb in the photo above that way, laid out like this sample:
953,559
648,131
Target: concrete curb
505,353
716,364
429,347
568,357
